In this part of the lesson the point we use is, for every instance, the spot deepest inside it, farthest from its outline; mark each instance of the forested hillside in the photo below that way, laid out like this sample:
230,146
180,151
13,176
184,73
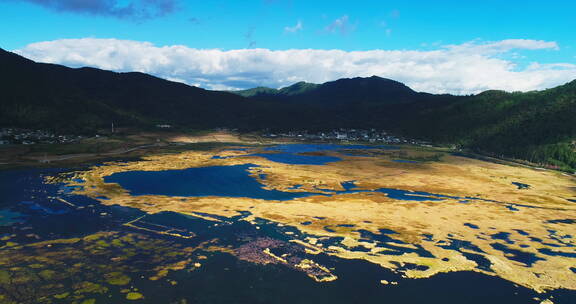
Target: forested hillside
536,126
37,95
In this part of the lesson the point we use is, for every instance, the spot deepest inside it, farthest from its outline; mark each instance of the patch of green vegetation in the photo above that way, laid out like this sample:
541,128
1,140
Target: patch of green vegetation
289,91
102,243
201,146
4,277
425,158
92,237
539,127
77,269
89,287
258,91
134,296
117,243
74,148
62,295
47,274
117,278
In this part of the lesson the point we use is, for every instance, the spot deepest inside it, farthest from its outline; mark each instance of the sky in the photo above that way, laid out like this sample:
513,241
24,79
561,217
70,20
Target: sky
458,47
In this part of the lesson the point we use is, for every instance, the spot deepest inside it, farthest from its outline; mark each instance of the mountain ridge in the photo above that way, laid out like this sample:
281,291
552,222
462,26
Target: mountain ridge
86,96
539,126
372,89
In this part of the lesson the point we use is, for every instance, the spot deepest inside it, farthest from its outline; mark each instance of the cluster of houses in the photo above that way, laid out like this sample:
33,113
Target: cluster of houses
344,135
10,136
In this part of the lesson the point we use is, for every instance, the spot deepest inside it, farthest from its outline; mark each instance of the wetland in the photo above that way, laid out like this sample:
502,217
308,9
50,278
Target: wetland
289,223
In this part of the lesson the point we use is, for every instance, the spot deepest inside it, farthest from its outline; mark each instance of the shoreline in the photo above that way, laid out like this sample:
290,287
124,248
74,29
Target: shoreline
179,142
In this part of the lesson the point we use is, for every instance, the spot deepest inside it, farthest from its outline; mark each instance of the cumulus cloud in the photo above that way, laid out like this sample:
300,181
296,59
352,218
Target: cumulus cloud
504,46
133,9
293,29
341,25
468,68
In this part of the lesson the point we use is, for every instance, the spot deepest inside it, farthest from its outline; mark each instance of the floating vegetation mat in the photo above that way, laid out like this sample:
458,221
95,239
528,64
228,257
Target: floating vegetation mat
166,216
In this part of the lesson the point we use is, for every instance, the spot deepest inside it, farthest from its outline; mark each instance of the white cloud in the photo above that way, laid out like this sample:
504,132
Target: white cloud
296,28
459,69
341,25
503,46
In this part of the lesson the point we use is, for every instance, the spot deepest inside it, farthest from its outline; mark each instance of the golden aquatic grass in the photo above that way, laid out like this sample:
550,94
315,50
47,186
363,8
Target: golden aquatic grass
442,221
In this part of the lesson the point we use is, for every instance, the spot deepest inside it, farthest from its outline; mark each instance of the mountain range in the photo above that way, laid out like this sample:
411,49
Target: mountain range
39,95
371,90
537,126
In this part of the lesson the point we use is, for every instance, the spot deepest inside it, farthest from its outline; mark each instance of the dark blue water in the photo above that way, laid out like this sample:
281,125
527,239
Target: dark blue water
327,228
550,252
405,161
55,209
457,245
221,157
471,225
224,279
504,236
349,186
297,159
527,258
562,221
27,201
233,181
227,181
384,240
521,185
292,153
512,208
306,148
411,196
8,217
482,262
379,237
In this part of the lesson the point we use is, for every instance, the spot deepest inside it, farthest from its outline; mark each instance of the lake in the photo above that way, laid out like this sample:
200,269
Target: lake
62,245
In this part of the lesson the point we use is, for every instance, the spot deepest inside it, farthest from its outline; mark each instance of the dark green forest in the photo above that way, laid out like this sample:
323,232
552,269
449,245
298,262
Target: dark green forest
539,127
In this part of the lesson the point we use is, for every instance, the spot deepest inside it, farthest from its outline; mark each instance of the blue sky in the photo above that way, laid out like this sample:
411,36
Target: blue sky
277,25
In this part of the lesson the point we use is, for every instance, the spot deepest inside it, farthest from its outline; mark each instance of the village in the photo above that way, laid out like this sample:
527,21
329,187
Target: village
345,135
10,136
17,136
